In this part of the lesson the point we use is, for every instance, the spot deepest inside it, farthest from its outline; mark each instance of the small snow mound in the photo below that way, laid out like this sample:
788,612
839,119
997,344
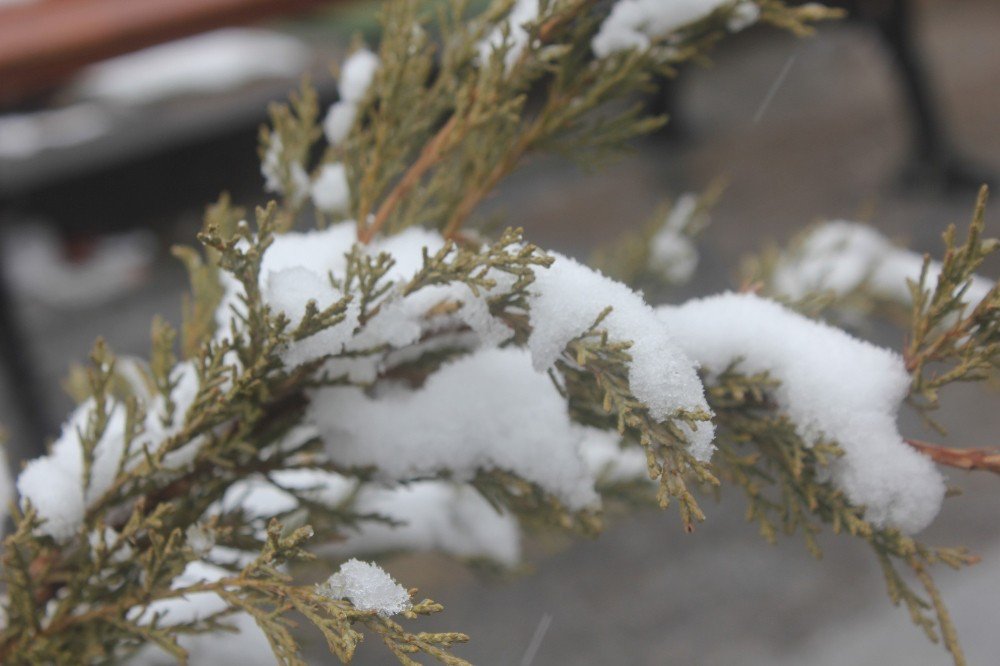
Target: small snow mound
368,587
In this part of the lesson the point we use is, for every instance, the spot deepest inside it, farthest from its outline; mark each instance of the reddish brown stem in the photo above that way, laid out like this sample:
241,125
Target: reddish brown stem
987,460
429,156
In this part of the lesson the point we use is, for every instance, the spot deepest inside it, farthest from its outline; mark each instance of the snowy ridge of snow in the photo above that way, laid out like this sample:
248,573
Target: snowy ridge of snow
833,386
566,300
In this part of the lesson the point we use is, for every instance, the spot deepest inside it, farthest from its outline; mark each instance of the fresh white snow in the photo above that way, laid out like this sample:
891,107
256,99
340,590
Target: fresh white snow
635,24
568,297
356,76
368,588
842,257
833,386
487,410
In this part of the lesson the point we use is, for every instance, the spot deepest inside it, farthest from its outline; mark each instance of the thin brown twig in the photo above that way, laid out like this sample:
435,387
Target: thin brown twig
987,460
429,156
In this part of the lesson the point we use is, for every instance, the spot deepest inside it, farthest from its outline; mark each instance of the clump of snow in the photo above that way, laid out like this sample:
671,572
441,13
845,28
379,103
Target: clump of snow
635,24
289,291
159,428
523,12
833,387
190,608
565,302
356,76
608,461
487,410
339,121
55,483
743,15
368,588
265,498
270,167
672,253
207,63
248,646
330,190
433,516
842,256
401,322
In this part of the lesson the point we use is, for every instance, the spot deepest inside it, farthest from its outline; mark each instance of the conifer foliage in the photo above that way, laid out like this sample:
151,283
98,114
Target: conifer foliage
391,379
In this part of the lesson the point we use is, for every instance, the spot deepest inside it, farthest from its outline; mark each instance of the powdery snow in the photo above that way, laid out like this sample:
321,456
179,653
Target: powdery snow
438,516
270,168
296,269
842,256
566,300
55,484
833,386
487,410
289,291
368,588
608,461
635,24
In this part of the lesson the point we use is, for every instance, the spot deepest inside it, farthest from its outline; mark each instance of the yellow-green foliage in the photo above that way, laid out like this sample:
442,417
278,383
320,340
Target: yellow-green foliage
435,134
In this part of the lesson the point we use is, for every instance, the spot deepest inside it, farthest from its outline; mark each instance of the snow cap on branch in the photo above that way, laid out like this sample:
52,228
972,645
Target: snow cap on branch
834,387
568,297
635,24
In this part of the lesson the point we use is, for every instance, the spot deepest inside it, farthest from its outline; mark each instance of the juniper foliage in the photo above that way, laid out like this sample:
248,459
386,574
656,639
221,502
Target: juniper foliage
443,122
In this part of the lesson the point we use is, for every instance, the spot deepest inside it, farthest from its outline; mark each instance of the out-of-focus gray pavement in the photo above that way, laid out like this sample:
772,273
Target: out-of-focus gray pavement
830,144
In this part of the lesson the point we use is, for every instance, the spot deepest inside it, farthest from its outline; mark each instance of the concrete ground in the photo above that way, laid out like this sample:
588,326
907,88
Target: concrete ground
830,144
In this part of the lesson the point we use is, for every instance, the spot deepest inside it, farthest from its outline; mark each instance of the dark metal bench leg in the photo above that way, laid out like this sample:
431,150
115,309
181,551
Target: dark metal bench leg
934,158
22,384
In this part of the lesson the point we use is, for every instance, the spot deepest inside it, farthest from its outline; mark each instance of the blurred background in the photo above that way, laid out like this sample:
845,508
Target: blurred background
114,135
